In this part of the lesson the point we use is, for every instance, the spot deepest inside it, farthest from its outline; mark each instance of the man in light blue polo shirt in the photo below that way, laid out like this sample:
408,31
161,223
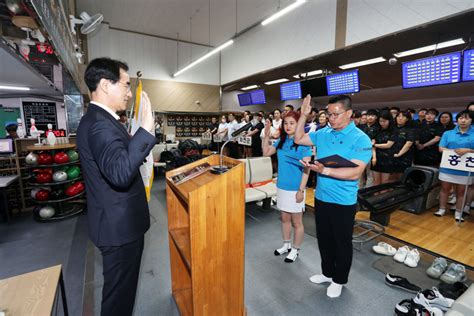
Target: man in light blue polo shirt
336,191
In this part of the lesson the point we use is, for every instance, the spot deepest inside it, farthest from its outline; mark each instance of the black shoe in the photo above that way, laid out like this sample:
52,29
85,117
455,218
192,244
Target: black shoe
453,291
401,283
410,308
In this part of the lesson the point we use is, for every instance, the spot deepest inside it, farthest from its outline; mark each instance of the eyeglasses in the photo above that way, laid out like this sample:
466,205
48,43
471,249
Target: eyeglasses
335,114
126,85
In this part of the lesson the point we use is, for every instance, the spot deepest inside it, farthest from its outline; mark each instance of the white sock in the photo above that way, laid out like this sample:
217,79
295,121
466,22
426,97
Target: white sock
284,249
320,278
334,290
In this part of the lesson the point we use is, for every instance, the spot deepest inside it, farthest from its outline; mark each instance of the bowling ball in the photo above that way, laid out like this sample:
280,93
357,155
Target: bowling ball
46,211
34,191
42,195
61,157
44,178
31,159
73,155
73,172
63,168
59,176
74,189
45,159
57,194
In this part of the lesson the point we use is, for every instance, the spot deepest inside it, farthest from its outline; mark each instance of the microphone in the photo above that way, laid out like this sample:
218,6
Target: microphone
221,168
242,129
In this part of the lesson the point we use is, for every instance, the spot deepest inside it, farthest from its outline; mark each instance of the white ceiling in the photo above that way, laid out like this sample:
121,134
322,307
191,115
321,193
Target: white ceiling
14,72
169,17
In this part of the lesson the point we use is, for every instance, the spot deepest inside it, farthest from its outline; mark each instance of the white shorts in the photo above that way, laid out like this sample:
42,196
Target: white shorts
286,201
456,179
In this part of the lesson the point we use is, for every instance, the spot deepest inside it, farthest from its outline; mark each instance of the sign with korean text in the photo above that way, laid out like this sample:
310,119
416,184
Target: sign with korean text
451,160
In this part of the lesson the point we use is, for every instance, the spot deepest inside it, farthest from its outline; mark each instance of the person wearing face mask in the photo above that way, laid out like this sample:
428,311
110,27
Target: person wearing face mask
291,183
117,207
336,192
428,136
255,134
461,140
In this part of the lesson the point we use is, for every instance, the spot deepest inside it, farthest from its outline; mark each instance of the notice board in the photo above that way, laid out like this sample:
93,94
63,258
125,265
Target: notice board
44,113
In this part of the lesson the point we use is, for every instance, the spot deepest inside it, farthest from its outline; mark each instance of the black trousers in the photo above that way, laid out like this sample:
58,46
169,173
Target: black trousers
334,226
121,265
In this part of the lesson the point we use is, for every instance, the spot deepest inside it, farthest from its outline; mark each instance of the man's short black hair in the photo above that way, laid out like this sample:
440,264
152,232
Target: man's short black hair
466,113
356,114
373,112
433,110
411,110
422,109
395,108
343,99
315,110
471,103
292,108
103,68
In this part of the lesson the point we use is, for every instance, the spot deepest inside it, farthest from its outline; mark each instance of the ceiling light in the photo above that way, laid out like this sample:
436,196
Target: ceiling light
249,87
363,63
276,81
308,74
283,11
428,48
212,52
14,88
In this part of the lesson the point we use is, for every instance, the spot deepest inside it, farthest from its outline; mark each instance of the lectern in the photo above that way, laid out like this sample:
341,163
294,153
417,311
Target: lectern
206,226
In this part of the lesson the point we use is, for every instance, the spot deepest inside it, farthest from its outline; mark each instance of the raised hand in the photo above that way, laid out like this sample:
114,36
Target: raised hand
147,120
306,106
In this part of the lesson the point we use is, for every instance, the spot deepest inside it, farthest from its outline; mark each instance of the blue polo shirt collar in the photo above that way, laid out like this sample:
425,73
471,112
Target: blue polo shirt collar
346,130
467,133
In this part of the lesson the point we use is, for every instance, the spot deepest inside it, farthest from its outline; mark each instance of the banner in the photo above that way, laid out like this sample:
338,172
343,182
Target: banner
146,169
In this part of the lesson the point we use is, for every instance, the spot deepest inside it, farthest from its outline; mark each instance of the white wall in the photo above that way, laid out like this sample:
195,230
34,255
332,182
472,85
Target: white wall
157,58
307,31
367,19
18,103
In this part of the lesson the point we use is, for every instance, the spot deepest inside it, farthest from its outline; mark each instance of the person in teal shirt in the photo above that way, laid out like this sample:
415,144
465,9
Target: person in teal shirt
291,182
336,191
461,140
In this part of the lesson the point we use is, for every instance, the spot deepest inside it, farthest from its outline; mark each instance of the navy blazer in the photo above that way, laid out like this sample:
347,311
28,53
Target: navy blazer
117,209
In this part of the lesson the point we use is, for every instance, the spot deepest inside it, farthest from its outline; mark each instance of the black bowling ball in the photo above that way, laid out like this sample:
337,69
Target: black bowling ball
57,194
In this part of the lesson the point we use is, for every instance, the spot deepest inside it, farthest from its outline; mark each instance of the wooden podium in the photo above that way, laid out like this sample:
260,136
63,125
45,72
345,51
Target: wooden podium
206,226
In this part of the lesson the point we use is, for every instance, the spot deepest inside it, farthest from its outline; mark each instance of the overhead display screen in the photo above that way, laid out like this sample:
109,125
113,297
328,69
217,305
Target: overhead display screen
244,99
437,70
290,91
468,66
258,97
345,82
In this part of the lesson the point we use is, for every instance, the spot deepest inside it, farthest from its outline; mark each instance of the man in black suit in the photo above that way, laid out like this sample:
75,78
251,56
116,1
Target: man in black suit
118,214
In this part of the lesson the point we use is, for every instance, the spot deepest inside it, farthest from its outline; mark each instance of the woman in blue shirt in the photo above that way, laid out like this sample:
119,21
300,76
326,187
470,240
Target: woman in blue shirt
461,140
291,182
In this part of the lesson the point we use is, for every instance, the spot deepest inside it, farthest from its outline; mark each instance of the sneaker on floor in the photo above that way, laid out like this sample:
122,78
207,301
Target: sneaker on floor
440,212
401,283
453,291
466,210
410,308
292,255
452,199
458,216
437,268
383,248
259,203
412,259
282,250
455,273
436,299
319,279
401,254
422,300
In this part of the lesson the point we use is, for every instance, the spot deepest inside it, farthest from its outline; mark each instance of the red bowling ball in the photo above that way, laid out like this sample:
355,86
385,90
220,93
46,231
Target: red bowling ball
42,195
61,157
44,177
74,189
45,159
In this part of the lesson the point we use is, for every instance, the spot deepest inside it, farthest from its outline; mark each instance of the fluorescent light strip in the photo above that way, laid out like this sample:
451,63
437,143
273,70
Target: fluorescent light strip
428,48
212,52
363,63
283,11
308,74
249,87
276,81
14,88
